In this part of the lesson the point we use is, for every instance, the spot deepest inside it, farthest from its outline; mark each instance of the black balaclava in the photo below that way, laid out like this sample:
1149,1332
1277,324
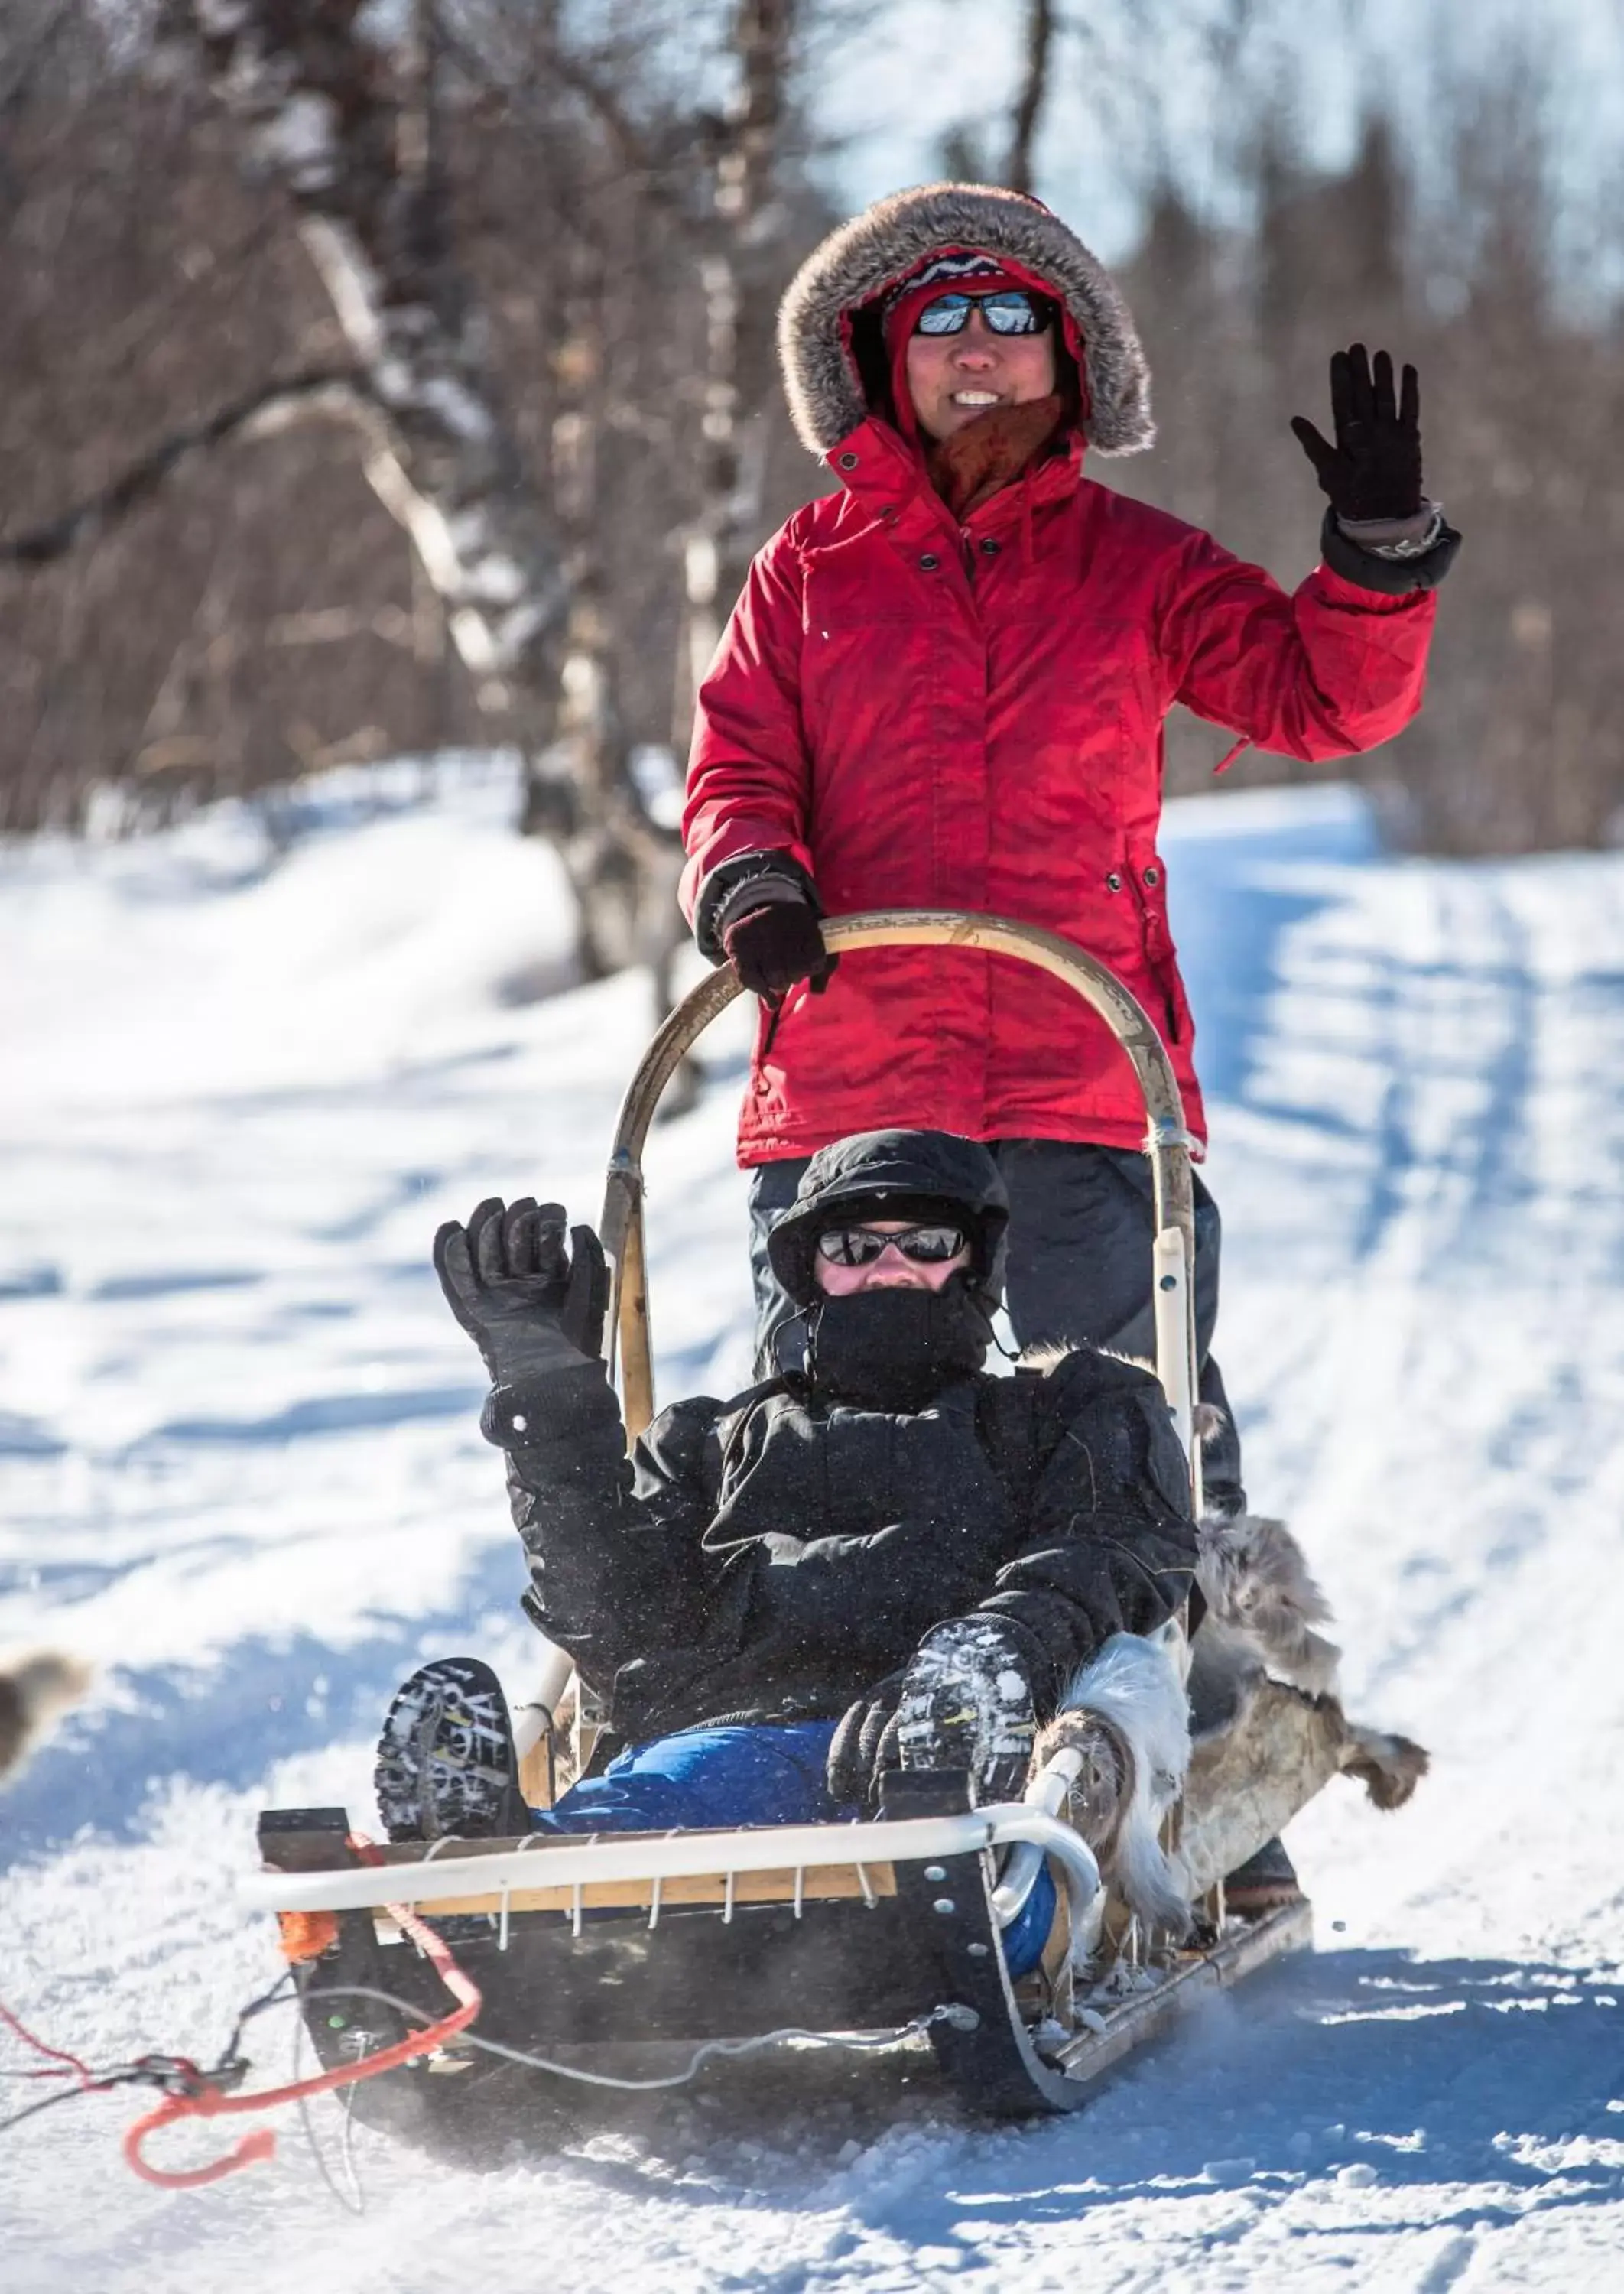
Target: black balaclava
896,1348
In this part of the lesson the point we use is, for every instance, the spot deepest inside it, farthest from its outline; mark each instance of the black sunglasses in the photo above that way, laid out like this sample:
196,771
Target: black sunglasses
1009,312
860,1246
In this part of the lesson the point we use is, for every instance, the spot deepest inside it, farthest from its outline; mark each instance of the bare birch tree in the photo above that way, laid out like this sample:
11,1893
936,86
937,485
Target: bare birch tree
347,129
740,254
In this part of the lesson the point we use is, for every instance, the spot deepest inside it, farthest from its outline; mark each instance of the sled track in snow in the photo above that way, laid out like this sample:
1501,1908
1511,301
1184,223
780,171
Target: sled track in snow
1423,1330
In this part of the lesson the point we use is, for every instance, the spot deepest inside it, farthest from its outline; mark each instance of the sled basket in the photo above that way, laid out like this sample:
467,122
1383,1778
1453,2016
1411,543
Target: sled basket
622,1961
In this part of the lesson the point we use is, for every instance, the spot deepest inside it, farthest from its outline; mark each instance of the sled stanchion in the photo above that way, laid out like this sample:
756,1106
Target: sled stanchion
631,1323
533,1725
620,1226
1171,1301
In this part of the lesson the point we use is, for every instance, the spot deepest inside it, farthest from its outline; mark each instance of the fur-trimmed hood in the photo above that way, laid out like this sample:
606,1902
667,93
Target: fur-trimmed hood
832,373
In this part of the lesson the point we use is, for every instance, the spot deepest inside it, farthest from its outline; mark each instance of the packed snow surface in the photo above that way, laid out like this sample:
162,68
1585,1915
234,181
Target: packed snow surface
241,1472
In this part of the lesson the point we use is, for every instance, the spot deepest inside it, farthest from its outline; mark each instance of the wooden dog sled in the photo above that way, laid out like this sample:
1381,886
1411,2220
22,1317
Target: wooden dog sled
639,1960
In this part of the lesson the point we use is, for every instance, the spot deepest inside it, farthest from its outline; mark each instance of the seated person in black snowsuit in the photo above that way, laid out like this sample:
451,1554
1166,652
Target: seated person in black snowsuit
889,1558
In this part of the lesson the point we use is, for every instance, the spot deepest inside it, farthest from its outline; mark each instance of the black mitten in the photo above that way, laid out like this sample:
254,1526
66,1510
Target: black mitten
1374,470
532,1306
776,942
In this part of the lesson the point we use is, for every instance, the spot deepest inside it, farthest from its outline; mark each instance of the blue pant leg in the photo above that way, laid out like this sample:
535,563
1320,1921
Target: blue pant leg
707,1778
1028,1932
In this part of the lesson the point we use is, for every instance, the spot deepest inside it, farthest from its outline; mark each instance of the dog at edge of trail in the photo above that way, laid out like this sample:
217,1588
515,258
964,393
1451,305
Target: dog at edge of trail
37,1687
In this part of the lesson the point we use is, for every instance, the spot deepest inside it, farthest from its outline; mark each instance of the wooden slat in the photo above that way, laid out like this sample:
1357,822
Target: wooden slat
536,1772
821,1882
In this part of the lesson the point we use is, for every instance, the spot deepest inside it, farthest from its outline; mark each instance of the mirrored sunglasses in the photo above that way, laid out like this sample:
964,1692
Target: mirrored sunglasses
860,1246
1010,312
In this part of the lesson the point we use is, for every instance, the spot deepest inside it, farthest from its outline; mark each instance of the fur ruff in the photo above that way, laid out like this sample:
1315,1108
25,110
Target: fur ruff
1135,1686
1207,1420
36,1686
1049,1354
857,262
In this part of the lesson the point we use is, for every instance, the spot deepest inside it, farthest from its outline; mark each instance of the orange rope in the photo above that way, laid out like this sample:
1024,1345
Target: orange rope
207,2101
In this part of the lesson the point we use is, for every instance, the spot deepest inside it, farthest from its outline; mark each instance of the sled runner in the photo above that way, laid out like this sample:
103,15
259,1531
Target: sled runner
633,1960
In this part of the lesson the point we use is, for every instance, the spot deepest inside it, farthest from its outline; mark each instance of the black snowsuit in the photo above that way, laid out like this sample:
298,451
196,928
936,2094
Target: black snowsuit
772,1557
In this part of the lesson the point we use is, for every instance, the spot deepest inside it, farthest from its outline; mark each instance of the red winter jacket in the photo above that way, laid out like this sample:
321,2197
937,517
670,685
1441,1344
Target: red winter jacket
926,718
929,716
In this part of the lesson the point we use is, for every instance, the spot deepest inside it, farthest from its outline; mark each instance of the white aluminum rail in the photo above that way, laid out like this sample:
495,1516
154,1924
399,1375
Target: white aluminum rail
556,1861
1047,1793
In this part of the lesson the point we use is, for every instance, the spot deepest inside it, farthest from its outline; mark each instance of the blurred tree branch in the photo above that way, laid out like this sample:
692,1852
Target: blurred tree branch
748,219
1037,42
329,392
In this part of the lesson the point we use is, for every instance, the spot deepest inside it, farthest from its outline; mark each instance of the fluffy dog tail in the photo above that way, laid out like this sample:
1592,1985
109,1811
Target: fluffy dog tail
1389,1767
37,1687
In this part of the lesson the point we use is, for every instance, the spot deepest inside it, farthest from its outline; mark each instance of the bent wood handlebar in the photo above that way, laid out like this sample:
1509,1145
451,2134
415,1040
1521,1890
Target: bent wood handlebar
1167,1140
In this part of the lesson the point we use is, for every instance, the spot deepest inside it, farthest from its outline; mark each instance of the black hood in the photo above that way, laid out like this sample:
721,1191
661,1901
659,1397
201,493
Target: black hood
924,1174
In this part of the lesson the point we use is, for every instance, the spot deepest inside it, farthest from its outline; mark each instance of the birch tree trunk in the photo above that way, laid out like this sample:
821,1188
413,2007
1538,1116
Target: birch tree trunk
735,268
344,120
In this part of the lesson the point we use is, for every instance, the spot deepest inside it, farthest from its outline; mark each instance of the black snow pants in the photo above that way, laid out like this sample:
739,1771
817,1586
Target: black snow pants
1081,1228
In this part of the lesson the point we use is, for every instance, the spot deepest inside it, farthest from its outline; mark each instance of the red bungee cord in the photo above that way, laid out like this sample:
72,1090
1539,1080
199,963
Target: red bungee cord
82,2071
207,2101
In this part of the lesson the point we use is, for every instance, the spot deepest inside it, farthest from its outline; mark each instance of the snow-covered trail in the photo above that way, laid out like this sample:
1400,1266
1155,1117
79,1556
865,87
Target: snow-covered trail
238,1463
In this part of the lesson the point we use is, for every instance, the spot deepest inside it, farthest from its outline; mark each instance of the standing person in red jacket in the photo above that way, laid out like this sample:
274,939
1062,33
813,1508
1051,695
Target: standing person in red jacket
944,686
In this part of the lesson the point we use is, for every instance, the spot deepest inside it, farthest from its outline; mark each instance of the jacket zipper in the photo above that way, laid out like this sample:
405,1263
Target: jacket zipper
1157,964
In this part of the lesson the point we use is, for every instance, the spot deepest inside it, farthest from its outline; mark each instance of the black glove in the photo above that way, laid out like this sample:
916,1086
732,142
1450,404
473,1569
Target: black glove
1374,470
773,943
864,1744
533,1308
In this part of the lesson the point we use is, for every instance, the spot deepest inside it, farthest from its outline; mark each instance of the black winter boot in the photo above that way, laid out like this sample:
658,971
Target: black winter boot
446,1762
966,1703
1262,1883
